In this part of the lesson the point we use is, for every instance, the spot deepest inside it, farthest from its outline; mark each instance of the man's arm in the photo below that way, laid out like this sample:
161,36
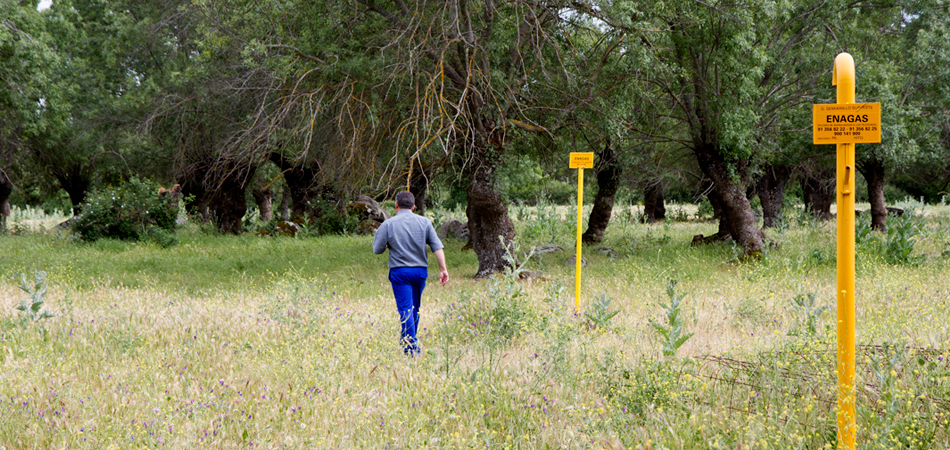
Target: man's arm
443,271
380,239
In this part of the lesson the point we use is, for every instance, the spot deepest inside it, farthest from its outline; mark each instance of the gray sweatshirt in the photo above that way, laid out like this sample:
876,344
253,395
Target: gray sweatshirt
406,236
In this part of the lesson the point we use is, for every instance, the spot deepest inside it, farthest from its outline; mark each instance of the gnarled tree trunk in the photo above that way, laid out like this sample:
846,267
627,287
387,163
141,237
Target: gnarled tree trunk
303,183
419,185
818,192
192,182
265,201
653,202
873,172
75,180
730,187
227,202
200,195
608,180
724,226
487,214
771,190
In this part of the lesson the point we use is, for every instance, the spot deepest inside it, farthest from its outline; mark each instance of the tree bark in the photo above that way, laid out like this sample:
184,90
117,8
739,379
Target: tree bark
730,187
75,181
818,192
725,227
304,186
265,201
419,185
192,184
653,202
227,203
771,190
608,181
6,188
873,172
487,214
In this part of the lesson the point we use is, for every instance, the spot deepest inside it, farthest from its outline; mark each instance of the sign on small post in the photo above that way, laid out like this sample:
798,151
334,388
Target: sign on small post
580,161
846,123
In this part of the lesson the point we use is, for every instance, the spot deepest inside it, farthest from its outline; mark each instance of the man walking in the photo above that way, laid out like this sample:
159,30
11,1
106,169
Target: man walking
406,236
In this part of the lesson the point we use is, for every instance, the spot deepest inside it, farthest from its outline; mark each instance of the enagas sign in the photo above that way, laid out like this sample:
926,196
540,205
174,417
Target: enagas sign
848,123
582,160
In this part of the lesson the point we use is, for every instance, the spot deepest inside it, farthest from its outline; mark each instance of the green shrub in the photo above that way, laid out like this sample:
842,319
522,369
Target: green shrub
132,211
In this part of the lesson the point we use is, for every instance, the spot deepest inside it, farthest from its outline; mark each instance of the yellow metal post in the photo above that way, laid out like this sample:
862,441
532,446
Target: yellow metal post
580,212
843,77
580,160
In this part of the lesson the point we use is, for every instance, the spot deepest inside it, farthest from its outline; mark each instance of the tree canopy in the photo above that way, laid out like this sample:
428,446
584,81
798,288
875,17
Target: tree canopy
347,97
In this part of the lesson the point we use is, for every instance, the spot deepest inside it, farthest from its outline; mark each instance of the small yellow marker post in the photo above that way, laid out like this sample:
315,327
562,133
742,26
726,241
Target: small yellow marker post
845,124
580,161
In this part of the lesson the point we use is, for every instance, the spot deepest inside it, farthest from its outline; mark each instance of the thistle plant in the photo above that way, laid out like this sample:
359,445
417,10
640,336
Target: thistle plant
600,313
31,307
672,336
809,314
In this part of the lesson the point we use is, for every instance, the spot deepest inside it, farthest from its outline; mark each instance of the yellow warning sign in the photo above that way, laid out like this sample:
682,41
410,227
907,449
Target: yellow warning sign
583,160
851,123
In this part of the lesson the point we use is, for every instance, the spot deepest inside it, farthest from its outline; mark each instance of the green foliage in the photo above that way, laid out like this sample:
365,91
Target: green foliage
133,211
334,220
31,308
541,223
808,314
705,209
672,335
600,313
901,238
897,245
524,180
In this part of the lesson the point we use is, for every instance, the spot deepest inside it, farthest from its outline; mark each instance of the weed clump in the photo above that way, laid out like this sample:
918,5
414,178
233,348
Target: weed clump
31,309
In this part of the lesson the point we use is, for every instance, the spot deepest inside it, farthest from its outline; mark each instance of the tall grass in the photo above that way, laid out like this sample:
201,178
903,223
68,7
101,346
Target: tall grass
249,342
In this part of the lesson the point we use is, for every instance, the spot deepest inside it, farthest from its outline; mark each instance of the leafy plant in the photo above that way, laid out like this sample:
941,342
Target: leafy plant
672,336
809,314
897,245
334,220
509,314
901,238
863,233
132,211
601,314
543,224
31,308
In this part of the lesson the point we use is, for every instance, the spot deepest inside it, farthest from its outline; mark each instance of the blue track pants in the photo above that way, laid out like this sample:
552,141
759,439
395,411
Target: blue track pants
408,284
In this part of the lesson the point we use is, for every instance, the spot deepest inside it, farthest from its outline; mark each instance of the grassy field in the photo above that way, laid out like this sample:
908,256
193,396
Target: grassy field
249,342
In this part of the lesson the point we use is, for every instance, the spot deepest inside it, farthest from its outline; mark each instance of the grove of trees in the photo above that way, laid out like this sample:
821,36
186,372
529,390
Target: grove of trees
237,100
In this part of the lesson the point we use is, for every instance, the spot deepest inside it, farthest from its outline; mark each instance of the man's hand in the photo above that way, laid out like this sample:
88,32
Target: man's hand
443,277
443,271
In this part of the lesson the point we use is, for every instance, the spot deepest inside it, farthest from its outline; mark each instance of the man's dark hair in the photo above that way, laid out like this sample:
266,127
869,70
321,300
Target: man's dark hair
405,200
